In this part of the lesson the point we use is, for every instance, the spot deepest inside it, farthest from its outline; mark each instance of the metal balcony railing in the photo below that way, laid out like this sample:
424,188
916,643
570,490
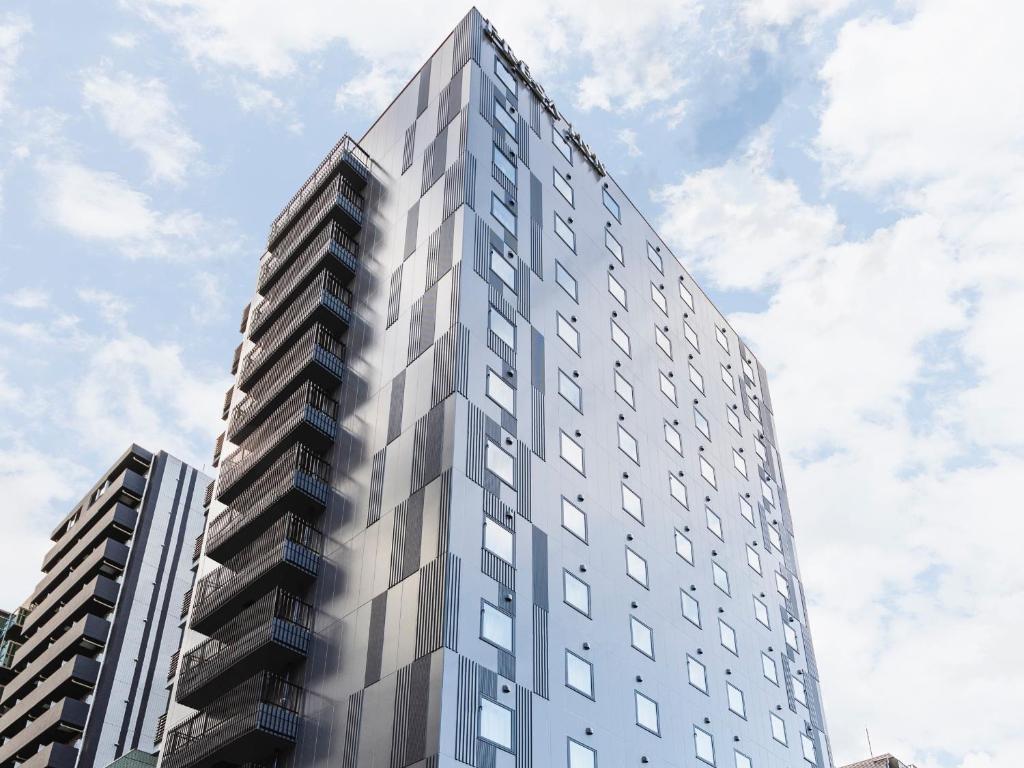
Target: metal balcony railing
324,301
271,634
281,275
318,355
285,555
297,482
307,416
246,724
348,158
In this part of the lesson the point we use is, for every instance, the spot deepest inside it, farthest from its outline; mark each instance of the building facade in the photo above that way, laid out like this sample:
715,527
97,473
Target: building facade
86,674
500,485
881,761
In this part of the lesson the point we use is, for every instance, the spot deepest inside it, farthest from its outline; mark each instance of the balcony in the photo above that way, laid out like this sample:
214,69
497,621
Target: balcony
106,560
74,679
325,301
61,722
307,416
332,247
297,483
54,755
318,356
286,555
346,157
273,633
98,598
247,724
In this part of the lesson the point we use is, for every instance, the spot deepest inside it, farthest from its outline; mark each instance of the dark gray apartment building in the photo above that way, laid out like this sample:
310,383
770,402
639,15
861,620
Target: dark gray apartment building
500,484
83,662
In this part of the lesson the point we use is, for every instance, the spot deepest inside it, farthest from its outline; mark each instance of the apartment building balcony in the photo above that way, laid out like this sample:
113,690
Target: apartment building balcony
324,302
54,755
297,483
333,248
286,555
62,722
96,598
105,561
318,356
247,724
73,679
308,416
271,634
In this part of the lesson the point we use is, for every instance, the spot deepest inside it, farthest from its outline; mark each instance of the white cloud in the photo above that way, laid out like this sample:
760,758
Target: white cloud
253,97
126,40
628,138
13,30
371,91
112,308
783,12
27,298
141,112
208,303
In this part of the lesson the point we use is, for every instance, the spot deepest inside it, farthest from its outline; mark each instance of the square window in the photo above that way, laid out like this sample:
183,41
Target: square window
571,451
707,471
505,166
500,392
496,724
581,756
728,637
742,761
761,612
720,576
641,637
673,439
566,281
749,371
774,538
791,639
723,339
807,747
614,247
746,511
503,214
677,490
782,585
703,745
562,144
632,505
636,567
615,289
495,626
504,75
655,258
500,463
504,269
778,728
574,520
735,696
714,522
734,420
728,380
628,445
664,342
568,333
753,559
505,119
611,204
686,296
647,713
501,327
668,388
755,410
499,540
576,593
697,674
760,450
739,462
564,231
691,608
570,390
766,491
701,423
696,379
621,338
684,547
659,299
624,390
799,690
768,668
579,674
691,336
563,186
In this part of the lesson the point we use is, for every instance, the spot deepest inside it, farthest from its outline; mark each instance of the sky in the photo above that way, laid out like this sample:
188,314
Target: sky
845,179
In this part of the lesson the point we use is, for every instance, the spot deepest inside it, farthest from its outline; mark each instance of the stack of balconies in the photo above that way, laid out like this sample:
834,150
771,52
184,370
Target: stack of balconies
275,485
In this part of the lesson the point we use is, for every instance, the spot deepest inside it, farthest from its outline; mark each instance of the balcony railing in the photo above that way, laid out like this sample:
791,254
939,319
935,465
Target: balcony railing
246,724
325,301
269,635
332,246
346,157
298,482
286,555
317,355
307,416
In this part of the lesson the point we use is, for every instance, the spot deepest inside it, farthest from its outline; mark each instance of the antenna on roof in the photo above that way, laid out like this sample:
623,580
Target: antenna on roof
868,734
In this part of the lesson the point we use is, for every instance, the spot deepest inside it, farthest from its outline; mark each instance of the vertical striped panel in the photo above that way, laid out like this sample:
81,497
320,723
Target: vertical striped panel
524,727
430,607
487,98
376,487
422,324
440,251
406,538
486,754
540,651
449,104
523,482
450,364
476,446
501,349
353,724
482,248
508,422
412,223
427,439
464,130
540,568
462,48
451,603
409,147
506,665
424,89
456,305
787,676
467,712
444,513
503,181
396,406
537,423
809,656
460,185
535,115
412,702
496,510
524,141
499,570
536,226
523,288
395,296
400,519
434,159
814,703
419,449
375,645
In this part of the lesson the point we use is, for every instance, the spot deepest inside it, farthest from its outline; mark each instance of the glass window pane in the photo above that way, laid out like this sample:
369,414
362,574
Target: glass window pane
778,728
697,674
499,540
566,281
568,334
655,258
564,231
501,327
581,756
504,75
624,390
615,289
563,186
659,298
571,451
684,547
577,593
707,471
570,390
668,388
504,269
646,713
720,577
664,342
500,392
691,608
503,214
562,144
696,379
704,746
500,463
495,723
574,520
728,636
701,423
496,627
504,165
636,567
686,296
621,338
579,674
641,636
611,204
614,247
735,696
632,504
628,445
677,490
673,439
769,669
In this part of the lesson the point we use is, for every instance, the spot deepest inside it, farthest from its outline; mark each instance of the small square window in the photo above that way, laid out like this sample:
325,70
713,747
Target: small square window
624,390
495,626
696,379
562,144
714,522
647,713
505,119
799,690
734,420
576,593
749,371
574,520
567,332
746,511
782,585
579,674
505,166
659,299
691,608
774,538
636,567
703,745
761,613
742,761
504,75
736,703
684,547
768,668
581,756
655,258
571,451
628,445
615,289
691,336
720,576
728,380
563,186
566,281
570,390
760,450
807,747
503,214
614,247
755,410
611,204
641,637
697,674
664,342
728,637
564,231
632,505
499,540
723,339
686,296
501,327
621,338
500,392
739,462
766,491
753,559
673,439
503,268
500,463
707,471
778,728
495,724
791,638
668,388
701,423
677,490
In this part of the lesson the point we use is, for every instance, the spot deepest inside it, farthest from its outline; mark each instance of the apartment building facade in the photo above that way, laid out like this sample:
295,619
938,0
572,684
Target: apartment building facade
500,484
85,668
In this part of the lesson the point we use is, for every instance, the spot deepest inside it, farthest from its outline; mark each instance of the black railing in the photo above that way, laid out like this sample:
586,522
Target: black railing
336,199
280,275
